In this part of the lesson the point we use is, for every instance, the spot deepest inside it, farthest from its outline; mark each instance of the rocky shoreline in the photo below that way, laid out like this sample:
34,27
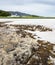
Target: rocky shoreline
18,47
33,27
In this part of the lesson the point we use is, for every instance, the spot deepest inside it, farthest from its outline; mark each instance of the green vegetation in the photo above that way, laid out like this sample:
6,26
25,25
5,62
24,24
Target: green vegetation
4,13
23,17
27,17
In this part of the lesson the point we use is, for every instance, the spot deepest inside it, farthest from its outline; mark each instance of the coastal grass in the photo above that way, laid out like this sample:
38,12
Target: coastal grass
26,17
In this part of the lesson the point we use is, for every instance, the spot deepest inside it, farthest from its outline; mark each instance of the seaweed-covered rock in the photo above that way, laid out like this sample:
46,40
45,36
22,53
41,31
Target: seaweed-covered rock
18,47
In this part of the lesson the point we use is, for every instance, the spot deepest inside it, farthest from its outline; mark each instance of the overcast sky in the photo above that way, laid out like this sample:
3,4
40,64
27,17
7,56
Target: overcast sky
35,7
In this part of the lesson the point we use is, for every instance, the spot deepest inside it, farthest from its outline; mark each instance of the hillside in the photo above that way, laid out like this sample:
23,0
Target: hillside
4,13
18,13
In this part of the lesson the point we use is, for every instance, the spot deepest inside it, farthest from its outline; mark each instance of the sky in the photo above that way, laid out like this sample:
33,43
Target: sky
34,7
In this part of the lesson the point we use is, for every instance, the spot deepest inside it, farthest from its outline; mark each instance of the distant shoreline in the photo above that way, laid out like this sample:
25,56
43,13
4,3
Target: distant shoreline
27,17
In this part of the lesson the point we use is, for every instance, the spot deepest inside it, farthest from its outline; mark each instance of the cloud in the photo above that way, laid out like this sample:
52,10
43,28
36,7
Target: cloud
35,7
23,2
49,2
11,2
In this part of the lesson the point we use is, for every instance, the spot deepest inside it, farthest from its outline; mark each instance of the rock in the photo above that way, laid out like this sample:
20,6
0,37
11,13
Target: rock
18,47
9,47
8,35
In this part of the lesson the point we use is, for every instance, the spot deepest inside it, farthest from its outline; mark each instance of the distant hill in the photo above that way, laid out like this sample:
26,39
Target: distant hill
18,13
4,13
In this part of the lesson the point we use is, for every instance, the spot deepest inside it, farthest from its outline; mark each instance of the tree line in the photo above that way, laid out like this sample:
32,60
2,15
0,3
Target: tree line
4,13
